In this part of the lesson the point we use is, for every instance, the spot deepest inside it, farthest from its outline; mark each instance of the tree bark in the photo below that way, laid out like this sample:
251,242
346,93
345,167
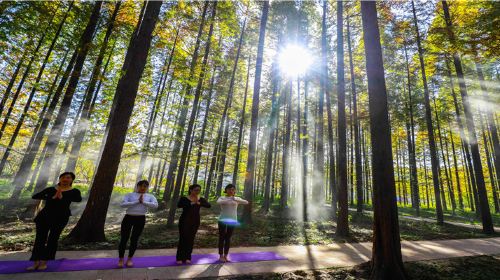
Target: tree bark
183,114
249,175
476,157
83,123
430,128
90,227
343,215
387,262
240,131
194,111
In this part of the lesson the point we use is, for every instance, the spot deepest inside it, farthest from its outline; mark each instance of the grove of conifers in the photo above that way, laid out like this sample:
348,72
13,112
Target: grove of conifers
398,106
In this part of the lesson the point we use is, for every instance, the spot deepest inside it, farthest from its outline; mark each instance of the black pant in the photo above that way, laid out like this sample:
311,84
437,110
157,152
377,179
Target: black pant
186,241
48,231
225,233
134,224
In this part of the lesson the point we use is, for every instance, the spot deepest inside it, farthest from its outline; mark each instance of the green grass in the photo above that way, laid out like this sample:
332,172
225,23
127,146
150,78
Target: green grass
463,268
267,230
459,215
275,228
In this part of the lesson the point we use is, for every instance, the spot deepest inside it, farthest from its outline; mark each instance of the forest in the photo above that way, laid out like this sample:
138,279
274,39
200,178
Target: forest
337,118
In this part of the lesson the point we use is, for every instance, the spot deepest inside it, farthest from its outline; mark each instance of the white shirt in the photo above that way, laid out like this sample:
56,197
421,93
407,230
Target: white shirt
229,206
131,202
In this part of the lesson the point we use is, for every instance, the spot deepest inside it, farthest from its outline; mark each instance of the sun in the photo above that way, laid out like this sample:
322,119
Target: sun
294,60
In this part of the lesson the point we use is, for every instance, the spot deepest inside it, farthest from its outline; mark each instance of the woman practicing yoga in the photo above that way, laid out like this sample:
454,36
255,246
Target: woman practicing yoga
137,204
228,219
189,222
52,219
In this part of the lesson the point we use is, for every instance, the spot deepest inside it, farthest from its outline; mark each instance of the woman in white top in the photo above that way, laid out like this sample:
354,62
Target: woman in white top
228,219
137,204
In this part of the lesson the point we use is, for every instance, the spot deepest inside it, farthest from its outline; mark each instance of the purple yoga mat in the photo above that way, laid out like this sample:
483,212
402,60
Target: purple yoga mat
10,267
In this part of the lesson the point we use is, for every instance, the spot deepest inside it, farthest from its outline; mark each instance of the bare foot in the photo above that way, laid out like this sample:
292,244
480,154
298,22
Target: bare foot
34,266
42,266
222,259
227,259
120,263
178,262
188,261
129,263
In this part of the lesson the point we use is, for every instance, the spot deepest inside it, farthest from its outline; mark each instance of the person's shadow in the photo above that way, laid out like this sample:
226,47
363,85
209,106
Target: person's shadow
211,271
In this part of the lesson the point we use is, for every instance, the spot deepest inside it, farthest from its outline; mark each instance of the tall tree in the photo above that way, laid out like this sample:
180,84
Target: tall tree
252,145
83,122
22,173
387,261
240,131
225,138
357,146
428,120
332,178
54,137
183,113
90,227
343,216
476,157
189,131
415,199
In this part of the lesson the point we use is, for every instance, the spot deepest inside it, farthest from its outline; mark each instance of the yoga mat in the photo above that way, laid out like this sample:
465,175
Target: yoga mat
60,265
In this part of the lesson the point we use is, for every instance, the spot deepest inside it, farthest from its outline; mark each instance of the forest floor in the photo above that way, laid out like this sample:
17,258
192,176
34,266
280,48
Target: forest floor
462,268
463,259
271,229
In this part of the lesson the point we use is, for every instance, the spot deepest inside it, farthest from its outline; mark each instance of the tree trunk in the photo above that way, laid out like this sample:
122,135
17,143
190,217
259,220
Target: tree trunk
476,157
271,126
490,122
357,147
83,122
12,81
25,167
55,134
343,216
222,161
240,131
90,227
447,176
285,175
387,262
455,163
249,175
430,128
23,78
183,114
187,138
415,192
201,140
324,83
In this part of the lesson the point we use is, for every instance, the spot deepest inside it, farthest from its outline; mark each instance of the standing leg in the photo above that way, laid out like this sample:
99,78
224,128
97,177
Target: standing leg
138,226
190,243
222,235
38,253
54,234
125,229
181,247
227,240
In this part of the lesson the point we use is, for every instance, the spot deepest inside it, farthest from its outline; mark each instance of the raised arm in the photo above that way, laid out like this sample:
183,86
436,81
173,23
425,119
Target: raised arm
224,200
183,202
128,201
204,203
76,196
240,200
43,195
151,202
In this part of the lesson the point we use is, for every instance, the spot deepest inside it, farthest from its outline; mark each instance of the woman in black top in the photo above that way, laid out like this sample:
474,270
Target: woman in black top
189,222
52,219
